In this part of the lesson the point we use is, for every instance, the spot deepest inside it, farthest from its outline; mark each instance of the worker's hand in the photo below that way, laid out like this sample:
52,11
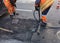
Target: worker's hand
37,8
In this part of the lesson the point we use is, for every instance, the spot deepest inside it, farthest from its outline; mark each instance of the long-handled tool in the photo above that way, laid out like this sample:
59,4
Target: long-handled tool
37,27
38,21
6,30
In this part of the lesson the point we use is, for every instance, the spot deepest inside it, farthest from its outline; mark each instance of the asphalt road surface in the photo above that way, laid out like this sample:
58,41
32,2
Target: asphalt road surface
25,22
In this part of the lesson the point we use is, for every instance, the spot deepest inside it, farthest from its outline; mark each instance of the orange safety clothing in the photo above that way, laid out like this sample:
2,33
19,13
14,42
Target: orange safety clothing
10,7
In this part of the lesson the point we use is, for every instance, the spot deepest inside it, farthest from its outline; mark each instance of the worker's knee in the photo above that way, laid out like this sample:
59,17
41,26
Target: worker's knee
44,14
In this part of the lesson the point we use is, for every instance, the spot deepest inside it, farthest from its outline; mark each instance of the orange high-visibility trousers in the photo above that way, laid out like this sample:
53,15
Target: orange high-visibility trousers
10,8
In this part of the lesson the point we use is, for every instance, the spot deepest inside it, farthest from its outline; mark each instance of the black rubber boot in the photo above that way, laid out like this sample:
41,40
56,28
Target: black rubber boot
15,13
11,16
43,24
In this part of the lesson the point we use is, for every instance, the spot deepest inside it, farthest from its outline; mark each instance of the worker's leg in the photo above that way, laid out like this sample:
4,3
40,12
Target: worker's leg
14,13
11,11
11,15
44,18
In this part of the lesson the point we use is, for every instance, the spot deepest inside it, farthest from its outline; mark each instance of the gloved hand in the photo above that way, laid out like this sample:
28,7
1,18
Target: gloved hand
36,7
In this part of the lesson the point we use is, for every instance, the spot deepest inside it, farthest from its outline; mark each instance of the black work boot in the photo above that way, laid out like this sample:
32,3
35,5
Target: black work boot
11,16
43,21
43,24
15,13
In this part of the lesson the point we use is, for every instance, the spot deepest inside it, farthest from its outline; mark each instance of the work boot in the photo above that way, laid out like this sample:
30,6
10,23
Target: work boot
15,13
43,21
11,16
43,24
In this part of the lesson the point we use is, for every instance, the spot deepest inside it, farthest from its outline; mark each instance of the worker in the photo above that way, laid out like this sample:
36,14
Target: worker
44,5
10,5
